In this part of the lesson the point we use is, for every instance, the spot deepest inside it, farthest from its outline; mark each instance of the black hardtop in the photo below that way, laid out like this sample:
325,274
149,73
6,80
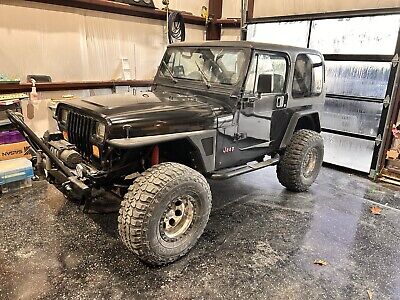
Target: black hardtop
247,44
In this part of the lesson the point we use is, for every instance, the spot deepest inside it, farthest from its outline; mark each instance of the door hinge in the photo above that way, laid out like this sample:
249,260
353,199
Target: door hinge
378,140
386,101
395,60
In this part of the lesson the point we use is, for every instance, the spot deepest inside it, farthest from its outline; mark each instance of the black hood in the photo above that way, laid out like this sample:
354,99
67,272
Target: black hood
151,113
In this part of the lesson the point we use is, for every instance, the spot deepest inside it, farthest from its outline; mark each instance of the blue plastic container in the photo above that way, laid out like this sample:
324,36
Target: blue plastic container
15,174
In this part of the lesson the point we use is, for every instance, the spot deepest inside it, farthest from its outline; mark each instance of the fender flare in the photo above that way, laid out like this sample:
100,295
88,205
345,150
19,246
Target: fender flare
195,137
293,123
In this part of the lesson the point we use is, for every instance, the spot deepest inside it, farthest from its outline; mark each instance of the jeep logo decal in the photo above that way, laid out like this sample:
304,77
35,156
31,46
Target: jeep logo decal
228,150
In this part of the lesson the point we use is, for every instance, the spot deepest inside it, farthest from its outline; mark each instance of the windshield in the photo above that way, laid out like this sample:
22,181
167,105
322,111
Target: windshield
209,65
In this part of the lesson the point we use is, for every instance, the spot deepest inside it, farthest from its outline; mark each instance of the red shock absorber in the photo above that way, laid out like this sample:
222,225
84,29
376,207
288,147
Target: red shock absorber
155,156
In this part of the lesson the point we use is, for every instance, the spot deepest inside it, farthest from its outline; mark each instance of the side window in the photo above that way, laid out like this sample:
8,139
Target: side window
308,76
268,73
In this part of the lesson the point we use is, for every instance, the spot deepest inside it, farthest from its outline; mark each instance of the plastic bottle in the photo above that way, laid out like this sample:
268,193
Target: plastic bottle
33,99
34,96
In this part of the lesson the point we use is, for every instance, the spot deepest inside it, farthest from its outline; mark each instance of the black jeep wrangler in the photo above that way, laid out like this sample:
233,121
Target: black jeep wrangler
216,110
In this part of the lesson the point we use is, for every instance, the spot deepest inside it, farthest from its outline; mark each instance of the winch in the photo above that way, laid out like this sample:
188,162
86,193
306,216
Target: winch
66,152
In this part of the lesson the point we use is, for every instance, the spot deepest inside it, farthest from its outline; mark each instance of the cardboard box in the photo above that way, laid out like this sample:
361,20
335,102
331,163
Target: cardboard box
392,154
15,150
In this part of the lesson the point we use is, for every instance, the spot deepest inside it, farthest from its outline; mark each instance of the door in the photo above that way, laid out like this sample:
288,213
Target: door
264,93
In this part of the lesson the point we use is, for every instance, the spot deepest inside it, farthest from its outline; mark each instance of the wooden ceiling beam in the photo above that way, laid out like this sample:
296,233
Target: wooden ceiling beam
214,13
122,9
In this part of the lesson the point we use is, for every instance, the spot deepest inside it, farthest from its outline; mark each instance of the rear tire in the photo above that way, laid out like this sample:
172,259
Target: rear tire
301,161
164,213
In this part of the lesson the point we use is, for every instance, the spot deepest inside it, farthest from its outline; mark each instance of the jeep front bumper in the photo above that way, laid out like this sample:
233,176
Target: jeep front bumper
78,181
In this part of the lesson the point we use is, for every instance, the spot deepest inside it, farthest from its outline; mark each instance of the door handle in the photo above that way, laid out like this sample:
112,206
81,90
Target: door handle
248,102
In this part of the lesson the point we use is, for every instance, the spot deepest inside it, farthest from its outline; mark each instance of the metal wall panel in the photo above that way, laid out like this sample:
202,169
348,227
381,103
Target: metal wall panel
348,152
357,78
352,116
358,35
284,33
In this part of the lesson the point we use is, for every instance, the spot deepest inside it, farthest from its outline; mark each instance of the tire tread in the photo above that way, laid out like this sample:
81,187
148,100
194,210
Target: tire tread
139,202
289,167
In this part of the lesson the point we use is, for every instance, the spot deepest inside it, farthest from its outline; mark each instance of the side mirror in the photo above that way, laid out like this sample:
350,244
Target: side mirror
264,84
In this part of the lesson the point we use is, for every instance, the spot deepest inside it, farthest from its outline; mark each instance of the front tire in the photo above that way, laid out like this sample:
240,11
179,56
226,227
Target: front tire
301,161
164,213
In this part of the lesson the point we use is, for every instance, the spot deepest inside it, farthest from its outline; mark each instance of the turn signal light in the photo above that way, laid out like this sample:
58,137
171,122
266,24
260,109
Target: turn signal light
96,151
65,135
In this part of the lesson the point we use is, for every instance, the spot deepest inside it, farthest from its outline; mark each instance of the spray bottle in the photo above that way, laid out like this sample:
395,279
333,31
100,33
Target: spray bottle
33,99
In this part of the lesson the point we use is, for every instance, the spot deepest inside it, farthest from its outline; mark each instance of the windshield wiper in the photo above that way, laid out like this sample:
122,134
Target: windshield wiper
171,75
203,76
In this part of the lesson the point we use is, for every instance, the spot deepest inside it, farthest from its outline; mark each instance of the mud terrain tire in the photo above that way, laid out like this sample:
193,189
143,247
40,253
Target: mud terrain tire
156,201
301,161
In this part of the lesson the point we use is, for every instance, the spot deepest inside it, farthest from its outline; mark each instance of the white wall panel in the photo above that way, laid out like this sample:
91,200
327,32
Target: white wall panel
112,37
230,34
38,41
75,44
231,8
263,8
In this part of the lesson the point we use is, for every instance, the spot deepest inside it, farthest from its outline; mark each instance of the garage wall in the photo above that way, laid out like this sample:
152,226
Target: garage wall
74,44
230,34
231,8
270,8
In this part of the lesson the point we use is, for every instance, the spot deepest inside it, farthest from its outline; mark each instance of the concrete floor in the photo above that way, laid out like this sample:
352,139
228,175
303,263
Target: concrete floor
260,243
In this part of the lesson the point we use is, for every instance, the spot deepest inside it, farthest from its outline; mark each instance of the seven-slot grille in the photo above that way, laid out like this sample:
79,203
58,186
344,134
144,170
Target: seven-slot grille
80,129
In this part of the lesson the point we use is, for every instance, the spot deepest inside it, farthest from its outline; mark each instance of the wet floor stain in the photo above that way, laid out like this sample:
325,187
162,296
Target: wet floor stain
261,243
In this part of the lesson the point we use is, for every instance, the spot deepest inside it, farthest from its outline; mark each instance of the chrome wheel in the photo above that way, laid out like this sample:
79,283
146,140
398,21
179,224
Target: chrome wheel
177,218
309,163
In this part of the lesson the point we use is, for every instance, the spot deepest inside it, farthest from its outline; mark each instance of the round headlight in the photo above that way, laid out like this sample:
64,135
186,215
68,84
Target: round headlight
64,116
101,130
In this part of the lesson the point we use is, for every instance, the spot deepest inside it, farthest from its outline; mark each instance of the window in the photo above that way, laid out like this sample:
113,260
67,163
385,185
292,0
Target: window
272,66
215,65
357,35
308,76
282,33
357,78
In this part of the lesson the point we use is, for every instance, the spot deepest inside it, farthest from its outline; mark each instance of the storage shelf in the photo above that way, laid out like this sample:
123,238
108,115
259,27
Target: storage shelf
137,11
228,23
123,9
77,85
